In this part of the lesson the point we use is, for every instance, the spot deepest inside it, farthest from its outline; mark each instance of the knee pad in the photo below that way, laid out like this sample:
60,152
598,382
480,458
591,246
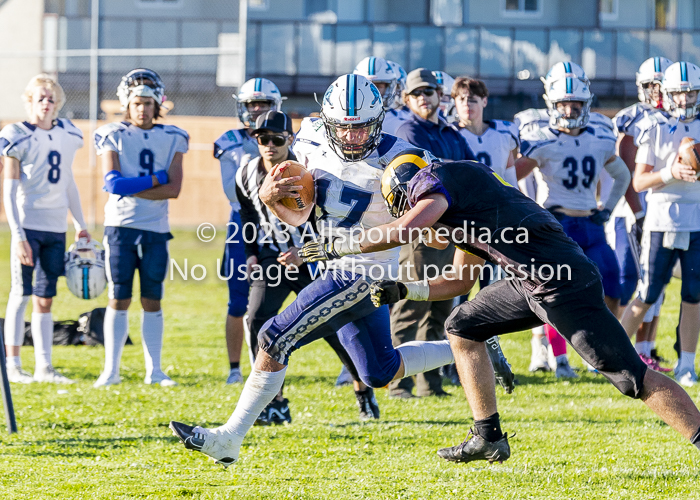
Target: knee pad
237,309
377,379
629,382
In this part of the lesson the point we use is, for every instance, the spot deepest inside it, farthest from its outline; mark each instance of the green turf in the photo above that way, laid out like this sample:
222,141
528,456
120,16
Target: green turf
577,439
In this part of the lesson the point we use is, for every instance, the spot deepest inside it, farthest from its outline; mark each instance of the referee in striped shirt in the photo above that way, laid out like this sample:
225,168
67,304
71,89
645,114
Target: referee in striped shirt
274,267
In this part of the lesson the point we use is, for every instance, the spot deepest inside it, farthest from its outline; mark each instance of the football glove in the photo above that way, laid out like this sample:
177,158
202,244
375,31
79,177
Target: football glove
600,217
318,250
387,292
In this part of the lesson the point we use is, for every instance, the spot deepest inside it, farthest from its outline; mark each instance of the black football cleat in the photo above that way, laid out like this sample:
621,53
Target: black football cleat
367,402
275,413
474,447
194,440
501,367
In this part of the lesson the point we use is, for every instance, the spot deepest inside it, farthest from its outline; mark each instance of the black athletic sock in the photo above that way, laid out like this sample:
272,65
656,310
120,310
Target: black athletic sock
234,364
696,439
489,428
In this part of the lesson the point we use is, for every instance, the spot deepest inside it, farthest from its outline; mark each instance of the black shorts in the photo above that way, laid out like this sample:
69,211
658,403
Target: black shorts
581,317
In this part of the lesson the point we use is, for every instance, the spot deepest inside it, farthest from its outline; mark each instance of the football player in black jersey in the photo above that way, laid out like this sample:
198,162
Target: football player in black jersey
548,280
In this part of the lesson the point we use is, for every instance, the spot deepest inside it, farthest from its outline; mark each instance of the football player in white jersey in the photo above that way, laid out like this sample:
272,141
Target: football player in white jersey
38,192
232,149
495,143
383,74
672,222
347,170
399,111
624,229
570,154
142,163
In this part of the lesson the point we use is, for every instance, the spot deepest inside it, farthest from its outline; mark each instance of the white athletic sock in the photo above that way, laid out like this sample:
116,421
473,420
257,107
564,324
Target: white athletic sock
152,340
14,361
14,319
260,388
687,361
643,347
116,329
42,335
419,357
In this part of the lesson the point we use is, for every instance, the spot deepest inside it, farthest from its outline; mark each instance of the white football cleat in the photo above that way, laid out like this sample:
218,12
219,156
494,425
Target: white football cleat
564,369
686,377
234,376
538,360
160,379
49,374
107,379
217,446
16,375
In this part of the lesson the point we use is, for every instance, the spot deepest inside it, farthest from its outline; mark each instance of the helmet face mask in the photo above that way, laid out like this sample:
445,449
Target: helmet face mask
651,73
141,82
352,113
568,89
378,70
85,269
257,90
681,77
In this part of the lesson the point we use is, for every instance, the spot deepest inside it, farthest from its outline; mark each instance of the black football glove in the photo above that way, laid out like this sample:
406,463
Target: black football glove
600,217
318,250
637,229
387,292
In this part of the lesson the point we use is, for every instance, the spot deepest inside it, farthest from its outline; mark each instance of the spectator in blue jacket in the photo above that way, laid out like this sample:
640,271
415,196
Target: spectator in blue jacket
424,127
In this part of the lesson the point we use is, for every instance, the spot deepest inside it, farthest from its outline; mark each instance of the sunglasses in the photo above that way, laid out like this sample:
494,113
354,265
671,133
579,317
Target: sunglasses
277,140
426,92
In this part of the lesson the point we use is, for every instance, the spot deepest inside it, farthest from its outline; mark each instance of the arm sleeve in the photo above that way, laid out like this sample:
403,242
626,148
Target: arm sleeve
248,215
228,175
126,186
12,210
621,179
74,205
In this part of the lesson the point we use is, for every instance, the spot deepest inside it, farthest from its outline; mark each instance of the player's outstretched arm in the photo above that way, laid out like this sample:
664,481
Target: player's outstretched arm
453,283
173,179
275,188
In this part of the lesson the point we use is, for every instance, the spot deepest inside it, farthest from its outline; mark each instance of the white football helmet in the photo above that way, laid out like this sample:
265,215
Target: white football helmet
141,82
378,70
565,69
681,77
352,102
651,71
85,269
257,89
564,90
400,83
447,103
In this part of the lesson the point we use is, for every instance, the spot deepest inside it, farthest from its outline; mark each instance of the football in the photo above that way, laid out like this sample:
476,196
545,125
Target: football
689,153
306,195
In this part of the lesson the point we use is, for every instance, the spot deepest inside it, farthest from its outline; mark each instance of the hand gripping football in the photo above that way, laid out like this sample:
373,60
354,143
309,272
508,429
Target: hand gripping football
689,153
305,197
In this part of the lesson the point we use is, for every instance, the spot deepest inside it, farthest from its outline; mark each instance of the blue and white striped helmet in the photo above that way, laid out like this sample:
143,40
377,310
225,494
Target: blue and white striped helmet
681,77
352,102
565,69
651,71
257,89
568,89
378,70
85,269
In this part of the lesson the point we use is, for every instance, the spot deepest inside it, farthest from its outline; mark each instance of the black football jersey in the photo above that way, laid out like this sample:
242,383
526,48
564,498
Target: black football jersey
495,221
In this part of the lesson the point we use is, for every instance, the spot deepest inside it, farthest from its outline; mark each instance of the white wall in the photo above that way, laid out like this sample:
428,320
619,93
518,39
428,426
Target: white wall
20,30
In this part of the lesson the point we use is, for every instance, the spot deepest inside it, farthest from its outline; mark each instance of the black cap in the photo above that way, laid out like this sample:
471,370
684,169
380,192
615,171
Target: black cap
418,78
273,121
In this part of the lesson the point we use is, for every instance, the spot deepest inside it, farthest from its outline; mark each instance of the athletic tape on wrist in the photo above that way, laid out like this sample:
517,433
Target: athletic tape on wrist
666,174
348,245
417,291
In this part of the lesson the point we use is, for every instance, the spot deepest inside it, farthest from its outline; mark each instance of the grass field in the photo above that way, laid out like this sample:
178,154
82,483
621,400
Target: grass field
577,439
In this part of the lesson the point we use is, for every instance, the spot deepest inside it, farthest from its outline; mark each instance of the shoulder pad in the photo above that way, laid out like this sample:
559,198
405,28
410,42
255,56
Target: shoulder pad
600,119
529,116
230,139
312,129
394,146
172,129
108,129
69,127
534,137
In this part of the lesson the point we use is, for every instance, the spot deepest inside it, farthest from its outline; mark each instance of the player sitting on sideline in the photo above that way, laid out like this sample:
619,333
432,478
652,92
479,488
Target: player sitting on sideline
232,149
552,281
38,192
142,165
570,153
347,169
